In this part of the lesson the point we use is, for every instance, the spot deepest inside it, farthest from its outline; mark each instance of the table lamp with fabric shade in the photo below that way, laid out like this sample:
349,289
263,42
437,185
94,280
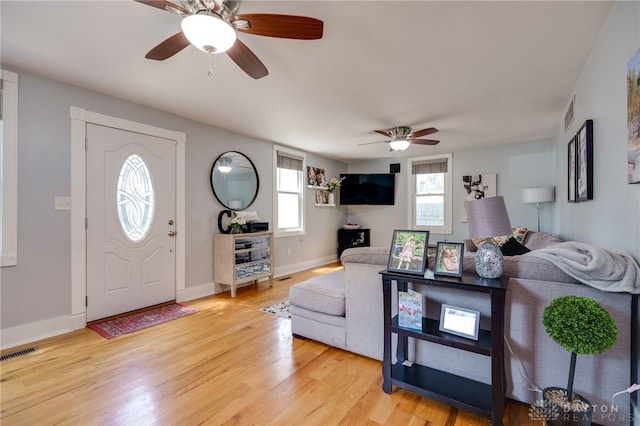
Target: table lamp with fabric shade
488,218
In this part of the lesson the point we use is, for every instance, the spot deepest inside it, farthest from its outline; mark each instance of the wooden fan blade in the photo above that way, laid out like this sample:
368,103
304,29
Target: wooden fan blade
164,5
282,26
247,60
425,141
383,133
168,48
424,132
371,143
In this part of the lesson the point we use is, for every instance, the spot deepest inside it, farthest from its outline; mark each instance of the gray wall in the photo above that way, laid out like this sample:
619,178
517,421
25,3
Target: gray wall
39,287
517,166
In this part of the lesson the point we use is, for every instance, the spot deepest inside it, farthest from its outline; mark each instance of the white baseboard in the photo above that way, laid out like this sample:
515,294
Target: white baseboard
195,292
32,332
297,267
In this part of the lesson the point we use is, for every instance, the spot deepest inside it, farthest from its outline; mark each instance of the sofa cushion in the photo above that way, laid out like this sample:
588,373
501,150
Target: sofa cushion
538,240
324,293
368,255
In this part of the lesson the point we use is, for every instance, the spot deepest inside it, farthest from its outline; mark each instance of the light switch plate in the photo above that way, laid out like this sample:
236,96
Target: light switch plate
62,203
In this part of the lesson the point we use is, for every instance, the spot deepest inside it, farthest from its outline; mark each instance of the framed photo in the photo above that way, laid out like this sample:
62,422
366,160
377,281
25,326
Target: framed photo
449,259
460,321
408,252
571,171
315,177
584,162
322,197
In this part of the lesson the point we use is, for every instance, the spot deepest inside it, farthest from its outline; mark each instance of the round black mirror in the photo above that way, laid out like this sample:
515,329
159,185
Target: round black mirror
234,180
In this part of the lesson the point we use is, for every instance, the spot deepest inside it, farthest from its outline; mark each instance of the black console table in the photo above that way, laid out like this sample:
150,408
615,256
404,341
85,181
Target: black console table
487,400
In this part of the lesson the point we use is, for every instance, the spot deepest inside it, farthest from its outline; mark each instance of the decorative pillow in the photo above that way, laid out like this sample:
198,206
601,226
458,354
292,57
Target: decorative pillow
513,248
499,241
519,233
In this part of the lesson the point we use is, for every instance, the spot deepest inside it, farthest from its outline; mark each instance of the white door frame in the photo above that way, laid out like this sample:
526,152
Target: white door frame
79,120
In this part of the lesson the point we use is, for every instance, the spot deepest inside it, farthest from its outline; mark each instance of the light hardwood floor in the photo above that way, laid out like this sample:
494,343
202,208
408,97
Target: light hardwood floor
228,364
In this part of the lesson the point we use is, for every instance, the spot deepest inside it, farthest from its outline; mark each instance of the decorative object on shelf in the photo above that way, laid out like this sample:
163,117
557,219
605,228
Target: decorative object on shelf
460,321
408,251
315,177
224,221
238,225
410,309
322,197
539,194
449,259
351,226
488,218
633,118
581,326
234,180
476,187
333,185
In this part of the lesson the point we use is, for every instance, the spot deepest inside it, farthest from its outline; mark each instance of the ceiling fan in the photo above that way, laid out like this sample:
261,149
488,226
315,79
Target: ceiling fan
211,25
401,137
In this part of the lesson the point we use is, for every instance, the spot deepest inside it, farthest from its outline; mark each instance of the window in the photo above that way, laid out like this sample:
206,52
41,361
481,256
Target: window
289,184
135,201
431,187
8,168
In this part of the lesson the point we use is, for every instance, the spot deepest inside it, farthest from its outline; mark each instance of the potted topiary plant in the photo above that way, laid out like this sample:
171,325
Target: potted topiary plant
581,326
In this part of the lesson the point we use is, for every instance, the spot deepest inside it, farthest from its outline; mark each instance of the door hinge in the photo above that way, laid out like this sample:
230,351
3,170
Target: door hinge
86,223
86,144
86,301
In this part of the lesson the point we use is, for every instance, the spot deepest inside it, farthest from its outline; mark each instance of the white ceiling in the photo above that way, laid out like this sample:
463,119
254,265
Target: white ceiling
483,73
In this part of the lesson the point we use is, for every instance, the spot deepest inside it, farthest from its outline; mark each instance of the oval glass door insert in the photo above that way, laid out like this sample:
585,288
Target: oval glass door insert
135,198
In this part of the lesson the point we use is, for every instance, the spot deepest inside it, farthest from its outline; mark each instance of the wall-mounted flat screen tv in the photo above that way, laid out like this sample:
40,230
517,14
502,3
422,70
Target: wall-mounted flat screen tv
372,188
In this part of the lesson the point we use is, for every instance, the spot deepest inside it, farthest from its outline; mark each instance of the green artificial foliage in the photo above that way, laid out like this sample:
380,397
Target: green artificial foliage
580,325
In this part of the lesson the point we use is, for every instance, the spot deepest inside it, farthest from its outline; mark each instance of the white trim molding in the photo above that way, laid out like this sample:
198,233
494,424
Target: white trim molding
79,119
9,155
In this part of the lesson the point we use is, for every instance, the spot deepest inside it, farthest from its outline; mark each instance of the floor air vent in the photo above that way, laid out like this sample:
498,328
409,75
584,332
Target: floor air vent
284,278
17,354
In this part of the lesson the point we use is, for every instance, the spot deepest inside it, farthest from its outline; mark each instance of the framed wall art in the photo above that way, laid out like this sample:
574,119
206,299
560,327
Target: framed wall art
584,162
449,259
571,171
633,118
408,251
476,187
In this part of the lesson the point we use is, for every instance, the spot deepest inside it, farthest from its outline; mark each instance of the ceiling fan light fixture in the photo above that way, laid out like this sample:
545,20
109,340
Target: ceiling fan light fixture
208,32
399,144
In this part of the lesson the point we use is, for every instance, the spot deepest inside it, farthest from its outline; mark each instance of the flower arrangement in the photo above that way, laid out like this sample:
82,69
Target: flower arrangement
334,183
238,225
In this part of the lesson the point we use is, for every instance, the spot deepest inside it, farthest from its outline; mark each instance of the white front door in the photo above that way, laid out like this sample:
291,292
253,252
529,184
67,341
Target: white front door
131,199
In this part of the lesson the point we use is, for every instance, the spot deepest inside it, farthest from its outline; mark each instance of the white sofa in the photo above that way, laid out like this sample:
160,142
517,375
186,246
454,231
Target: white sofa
355,323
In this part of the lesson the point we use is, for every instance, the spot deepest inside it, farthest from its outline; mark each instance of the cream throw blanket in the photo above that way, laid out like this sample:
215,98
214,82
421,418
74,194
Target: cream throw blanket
594,266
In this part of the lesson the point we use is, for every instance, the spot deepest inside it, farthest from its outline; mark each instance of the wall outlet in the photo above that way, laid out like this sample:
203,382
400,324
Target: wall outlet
288,252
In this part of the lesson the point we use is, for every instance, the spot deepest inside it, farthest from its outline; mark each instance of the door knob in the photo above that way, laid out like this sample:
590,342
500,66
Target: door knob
171,234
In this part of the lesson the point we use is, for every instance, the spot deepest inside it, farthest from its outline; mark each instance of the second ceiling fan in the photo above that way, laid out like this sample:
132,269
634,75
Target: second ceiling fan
401,137
211,25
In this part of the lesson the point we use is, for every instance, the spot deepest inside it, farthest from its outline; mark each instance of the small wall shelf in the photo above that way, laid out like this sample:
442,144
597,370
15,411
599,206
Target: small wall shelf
325,205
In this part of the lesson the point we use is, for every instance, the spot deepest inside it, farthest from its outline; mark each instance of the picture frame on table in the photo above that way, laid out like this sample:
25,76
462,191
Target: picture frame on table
408,253
461,322
448,259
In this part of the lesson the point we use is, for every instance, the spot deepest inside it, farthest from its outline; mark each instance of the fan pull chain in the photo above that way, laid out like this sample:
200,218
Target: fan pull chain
212,63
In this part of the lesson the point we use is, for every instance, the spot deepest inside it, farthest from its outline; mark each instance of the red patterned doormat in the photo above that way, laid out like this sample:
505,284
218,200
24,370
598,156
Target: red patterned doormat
115,327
